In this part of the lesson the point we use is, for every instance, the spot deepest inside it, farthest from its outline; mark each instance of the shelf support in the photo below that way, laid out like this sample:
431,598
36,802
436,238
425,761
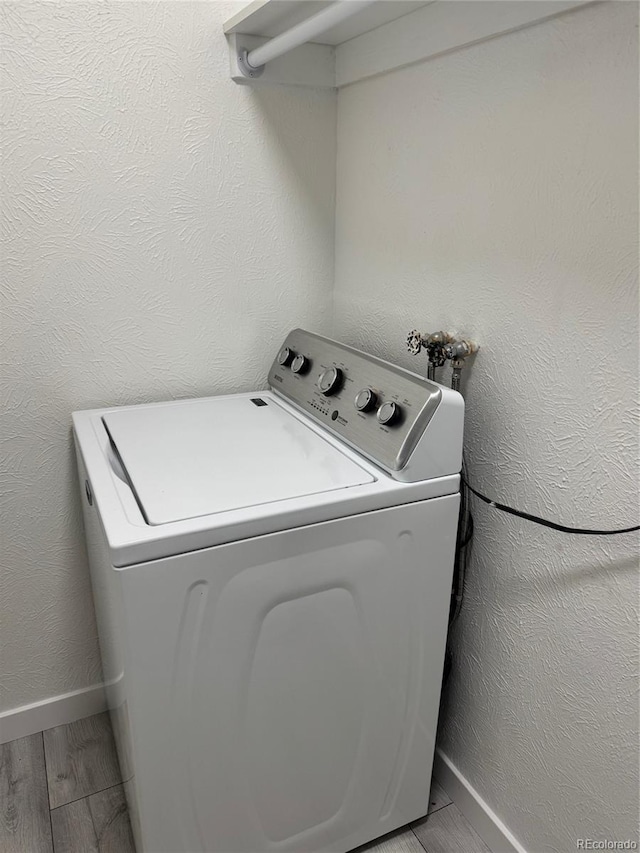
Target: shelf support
252,63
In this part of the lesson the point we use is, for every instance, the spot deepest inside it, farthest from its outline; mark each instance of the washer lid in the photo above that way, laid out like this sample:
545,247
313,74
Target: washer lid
200,457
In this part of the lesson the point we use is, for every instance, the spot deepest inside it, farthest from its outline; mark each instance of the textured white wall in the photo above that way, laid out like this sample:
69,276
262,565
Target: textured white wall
493,192
163,229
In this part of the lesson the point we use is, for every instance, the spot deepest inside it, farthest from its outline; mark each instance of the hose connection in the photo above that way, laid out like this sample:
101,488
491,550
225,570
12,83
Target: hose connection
442,347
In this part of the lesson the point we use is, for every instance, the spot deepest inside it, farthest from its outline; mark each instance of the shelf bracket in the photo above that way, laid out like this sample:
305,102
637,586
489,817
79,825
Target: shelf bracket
310,65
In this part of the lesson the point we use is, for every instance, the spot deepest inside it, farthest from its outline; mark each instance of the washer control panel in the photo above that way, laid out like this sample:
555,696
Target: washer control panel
378,408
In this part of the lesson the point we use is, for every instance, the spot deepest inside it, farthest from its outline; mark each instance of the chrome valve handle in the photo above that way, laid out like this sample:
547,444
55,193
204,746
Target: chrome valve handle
415,341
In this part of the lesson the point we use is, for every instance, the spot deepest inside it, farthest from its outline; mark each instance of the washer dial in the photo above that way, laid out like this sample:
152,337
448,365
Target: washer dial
285,356
300,364
365,400
389,413
330,381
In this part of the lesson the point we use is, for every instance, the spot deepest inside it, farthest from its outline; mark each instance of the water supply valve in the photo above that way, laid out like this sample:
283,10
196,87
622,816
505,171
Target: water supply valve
434,343
457,352
441,347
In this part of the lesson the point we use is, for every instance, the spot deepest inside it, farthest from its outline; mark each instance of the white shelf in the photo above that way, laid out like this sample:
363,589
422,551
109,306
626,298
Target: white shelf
379,37
269,18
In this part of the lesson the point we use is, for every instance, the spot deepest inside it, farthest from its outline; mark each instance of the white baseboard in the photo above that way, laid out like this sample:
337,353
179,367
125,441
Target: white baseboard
56,711
495,834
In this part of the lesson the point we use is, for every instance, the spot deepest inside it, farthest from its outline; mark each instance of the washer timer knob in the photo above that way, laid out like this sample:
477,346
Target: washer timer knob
330,381
285,356
389,413
365,400
300,364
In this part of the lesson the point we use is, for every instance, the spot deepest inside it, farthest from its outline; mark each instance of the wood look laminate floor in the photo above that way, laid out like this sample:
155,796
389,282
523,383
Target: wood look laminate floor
61,792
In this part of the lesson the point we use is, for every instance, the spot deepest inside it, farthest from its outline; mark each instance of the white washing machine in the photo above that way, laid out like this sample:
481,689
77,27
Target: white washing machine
272,573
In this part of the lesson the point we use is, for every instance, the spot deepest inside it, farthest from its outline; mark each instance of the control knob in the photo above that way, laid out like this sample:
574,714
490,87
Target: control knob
365,400
285,356
300,364
389,413
330,381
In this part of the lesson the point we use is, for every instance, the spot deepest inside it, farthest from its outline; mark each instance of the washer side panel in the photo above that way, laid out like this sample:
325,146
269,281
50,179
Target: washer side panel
107,597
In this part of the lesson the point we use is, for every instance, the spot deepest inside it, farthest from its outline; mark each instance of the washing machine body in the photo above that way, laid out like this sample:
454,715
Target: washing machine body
272,604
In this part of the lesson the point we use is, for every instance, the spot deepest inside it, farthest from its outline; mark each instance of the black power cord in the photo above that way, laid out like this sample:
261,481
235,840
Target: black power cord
563,528
463,545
